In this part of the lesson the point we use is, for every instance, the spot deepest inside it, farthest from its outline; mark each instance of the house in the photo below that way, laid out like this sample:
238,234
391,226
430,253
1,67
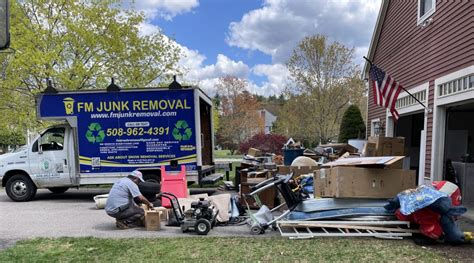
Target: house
268,120
428,47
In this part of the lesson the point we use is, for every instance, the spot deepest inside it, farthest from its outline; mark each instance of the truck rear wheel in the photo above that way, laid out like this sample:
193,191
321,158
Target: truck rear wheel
20,188
153,178
58,190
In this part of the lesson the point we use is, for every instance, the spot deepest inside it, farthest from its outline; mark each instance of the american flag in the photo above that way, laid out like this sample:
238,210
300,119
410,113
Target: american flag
385,90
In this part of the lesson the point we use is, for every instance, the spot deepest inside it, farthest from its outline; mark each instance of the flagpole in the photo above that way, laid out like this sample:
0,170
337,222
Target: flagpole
428,109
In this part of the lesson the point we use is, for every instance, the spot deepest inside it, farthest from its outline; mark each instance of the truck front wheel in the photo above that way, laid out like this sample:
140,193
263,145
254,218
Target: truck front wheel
20,188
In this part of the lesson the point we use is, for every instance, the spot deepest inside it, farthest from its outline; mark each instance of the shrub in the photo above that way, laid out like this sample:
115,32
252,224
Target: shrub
352,125
269,143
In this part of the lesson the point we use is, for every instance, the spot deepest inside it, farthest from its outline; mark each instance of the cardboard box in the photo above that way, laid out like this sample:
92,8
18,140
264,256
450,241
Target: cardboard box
354,182
254,152
164,213
152,220
388,146
369,150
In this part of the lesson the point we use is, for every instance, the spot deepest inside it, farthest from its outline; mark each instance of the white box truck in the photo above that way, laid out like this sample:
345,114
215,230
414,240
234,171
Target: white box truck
104,134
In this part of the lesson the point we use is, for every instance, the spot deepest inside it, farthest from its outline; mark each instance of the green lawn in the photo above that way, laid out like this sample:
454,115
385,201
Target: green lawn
226,154
217,250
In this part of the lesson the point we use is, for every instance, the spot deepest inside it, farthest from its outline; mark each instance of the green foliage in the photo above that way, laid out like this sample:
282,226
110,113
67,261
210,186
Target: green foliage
325,82
78,45
224,249
352,125
216,101
11,138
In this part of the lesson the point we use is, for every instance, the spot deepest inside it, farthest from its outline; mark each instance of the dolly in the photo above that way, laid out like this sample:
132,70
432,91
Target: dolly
200,218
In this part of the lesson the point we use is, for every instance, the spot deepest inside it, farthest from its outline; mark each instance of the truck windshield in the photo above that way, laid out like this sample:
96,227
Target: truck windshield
51,140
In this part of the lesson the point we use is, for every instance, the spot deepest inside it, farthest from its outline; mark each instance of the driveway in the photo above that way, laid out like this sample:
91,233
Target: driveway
73,214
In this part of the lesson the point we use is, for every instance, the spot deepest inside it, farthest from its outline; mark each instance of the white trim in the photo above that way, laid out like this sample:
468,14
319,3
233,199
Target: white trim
439,119
428,13
417,106
422,163
375,36
389,124
197,125
437,143
455,75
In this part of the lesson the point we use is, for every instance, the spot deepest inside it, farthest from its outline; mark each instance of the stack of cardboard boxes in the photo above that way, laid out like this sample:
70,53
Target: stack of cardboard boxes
378,175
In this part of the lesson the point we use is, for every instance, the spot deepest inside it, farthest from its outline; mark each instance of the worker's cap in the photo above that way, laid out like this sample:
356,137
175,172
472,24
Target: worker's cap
137,174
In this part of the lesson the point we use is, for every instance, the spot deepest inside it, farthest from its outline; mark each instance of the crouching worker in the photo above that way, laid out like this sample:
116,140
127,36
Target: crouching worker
121,203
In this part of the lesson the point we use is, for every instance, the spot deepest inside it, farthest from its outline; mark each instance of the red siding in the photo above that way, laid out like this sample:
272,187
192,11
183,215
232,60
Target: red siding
414,55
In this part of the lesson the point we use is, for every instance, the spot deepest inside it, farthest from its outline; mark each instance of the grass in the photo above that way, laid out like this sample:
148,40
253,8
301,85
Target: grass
231,177
226,154
216,250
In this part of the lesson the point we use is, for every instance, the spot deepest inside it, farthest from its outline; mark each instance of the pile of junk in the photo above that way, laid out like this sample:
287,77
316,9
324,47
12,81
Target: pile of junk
341,191
334,190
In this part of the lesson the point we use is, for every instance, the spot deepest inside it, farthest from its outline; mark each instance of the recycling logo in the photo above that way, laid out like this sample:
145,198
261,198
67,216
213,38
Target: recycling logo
95,133
181,131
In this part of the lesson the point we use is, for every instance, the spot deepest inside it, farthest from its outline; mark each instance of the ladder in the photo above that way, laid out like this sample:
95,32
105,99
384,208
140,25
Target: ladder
310,229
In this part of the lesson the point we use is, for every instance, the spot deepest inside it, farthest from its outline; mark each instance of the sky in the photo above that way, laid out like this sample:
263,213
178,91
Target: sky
253,39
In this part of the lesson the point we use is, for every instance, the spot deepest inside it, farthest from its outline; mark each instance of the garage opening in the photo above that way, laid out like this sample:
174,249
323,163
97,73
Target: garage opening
410,127
459,149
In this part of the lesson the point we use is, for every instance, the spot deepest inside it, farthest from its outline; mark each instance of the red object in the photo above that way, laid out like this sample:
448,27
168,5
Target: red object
386,90
175,183
427,219
451,189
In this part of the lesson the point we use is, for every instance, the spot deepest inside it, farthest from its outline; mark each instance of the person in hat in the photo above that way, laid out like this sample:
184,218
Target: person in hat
121,203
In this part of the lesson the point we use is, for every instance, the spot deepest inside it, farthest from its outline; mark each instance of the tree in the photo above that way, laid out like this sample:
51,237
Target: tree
269,143
352,125
216,101
78,45
239,117
325,82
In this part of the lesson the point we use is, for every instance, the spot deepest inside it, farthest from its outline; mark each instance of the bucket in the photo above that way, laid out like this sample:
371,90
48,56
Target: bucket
100,201
290,154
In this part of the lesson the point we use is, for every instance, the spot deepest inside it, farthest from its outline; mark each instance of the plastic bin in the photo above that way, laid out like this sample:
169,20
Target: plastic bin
175,183
290,154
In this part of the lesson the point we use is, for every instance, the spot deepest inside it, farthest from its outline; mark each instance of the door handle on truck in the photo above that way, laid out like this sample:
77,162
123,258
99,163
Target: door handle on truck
65,162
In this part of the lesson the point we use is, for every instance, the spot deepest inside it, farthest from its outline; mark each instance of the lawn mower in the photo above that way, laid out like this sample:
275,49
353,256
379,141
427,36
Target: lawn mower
200,218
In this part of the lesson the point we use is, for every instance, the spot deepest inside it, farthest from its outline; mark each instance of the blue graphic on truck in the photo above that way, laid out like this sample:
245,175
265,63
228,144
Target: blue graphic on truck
121,131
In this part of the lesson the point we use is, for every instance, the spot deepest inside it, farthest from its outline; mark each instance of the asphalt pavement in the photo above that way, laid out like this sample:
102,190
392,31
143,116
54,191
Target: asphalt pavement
73,214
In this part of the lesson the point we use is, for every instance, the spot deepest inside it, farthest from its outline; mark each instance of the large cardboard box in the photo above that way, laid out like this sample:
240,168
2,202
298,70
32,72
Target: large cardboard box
353,182
388,146
152,220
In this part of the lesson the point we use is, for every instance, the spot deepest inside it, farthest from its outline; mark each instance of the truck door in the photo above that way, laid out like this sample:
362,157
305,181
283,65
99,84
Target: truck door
49,164
206,132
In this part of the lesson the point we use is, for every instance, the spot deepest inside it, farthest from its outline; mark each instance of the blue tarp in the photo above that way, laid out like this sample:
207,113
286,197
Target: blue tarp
335,213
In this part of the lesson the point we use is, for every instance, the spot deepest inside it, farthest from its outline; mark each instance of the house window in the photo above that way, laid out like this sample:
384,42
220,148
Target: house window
425,9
